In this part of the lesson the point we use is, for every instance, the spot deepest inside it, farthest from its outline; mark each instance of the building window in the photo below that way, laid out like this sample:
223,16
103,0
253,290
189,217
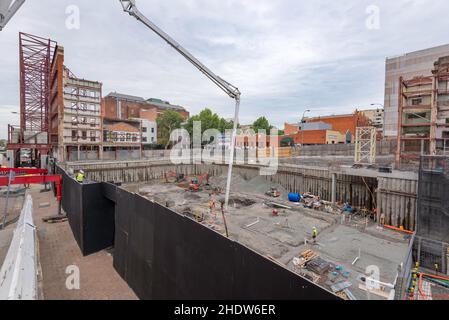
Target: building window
92,122
74,121
152,139
152,130
74,135
144,129
144,139
416,102
93,136
84,135
417,116
74,106
83,120
83,107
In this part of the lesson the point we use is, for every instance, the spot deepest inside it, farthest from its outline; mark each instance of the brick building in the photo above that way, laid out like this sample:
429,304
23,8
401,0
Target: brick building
75,114
122,106
122,139
344,123
319,132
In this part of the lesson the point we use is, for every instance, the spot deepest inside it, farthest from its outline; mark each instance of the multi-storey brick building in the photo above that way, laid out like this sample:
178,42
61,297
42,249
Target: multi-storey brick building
75,114
127,107
122,106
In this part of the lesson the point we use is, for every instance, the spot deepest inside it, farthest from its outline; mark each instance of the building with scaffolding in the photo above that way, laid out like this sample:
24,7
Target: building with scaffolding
423,114
76,126
407,66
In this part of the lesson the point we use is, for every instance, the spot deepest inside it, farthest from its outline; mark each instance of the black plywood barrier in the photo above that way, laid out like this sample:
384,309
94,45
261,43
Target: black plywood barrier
90,214
164,255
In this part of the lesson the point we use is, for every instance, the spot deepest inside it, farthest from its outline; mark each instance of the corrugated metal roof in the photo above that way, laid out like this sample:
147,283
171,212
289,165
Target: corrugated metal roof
125,97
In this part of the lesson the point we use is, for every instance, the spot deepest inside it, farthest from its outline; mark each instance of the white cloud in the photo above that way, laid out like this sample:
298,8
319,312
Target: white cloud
284,55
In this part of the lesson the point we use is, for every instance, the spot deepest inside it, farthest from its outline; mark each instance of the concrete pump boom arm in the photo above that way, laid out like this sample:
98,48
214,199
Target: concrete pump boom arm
129,6
7,10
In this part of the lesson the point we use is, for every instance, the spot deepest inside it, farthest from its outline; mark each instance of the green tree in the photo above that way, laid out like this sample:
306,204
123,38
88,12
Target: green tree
261,124
168,122
225,125
209,120
287,142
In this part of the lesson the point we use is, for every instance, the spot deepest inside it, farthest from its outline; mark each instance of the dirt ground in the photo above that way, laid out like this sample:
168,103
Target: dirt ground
285,235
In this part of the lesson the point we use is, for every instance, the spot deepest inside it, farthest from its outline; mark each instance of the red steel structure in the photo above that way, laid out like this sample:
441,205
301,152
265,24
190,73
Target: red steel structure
36,55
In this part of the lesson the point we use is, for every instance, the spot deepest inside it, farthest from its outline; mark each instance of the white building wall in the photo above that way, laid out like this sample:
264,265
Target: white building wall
149,131
410,65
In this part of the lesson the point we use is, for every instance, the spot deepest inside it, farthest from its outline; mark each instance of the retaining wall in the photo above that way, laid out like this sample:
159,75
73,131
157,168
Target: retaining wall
164,255
394,197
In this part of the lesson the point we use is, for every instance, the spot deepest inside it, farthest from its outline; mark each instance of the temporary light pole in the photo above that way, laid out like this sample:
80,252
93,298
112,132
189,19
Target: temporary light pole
302,127
129,6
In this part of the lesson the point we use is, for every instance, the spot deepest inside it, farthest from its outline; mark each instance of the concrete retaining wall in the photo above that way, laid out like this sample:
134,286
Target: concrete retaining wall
384,148
395,197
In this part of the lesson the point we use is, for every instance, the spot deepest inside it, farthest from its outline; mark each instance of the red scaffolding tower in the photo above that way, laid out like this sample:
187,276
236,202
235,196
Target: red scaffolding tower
36,56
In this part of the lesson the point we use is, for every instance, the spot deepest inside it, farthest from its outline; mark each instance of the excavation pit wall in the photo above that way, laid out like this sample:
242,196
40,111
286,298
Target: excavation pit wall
393,194
164,255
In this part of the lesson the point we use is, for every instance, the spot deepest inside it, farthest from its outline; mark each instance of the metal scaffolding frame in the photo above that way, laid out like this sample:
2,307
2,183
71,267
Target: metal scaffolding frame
365,145
35,56
35,63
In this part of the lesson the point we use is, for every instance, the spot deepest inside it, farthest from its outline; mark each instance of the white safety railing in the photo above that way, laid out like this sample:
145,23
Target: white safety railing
18,275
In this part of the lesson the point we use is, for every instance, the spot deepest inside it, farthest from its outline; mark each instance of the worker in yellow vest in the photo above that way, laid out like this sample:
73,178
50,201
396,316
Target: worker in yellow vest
314,234
80,176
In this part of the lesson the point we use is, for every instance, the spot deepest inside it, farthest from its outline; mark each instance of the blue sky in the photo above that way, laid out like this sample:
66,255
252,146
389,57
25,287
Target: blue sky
284,55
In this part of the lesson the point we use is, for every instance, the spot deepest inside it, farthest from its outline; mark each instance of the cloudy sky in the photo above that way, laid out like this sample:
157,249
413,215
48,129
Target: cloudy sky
286,56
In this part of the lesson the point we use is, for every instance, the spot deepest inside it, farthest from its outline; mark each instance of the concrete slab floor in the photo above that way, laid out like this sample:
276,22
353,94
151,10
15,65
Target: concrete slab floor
59,250
283,237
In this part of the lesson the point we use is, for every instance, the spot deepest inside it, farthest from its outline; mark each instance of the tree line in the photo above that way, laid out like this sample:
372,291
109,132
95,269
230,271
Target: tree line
172,120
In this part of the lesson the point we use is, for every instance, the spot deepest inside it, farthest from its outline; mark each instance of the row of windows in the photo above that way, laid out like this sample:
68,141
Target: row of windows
144,129
110,136
84,121
83,136
84,107
82,92
145,139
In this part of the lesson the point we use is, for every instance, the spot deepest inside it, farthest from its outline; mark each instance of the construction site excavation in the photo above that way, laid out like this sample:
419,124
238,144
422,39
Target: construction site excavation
279,225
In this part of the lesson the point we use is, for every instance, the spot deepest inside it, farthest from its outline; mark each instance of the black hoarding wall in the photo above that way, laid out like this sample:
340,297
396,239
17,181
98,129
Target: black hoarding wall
90,214
72,205
432,236
163,255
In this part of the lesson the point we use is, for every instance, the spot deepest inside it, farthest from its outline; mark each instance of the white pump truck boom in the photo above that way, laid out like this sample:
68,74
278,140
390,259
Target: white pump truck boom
8,8
129,6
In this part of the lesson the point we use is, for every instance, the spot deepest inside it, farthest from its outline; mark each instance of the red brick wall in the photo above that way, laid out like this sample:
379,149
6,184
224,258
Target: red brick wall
343,123
150,114
290,129
133,110
310,137
57,95
129,109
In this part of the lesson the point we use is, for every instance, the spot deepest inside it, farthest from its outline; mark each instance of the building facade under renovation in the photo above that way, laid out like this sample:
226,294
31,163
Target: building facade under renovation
76,124
423,121
407,66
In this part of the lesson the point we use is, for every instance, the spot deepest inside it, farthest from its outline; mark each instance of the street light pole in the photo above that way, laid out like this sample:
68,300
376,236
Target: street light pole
302,128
